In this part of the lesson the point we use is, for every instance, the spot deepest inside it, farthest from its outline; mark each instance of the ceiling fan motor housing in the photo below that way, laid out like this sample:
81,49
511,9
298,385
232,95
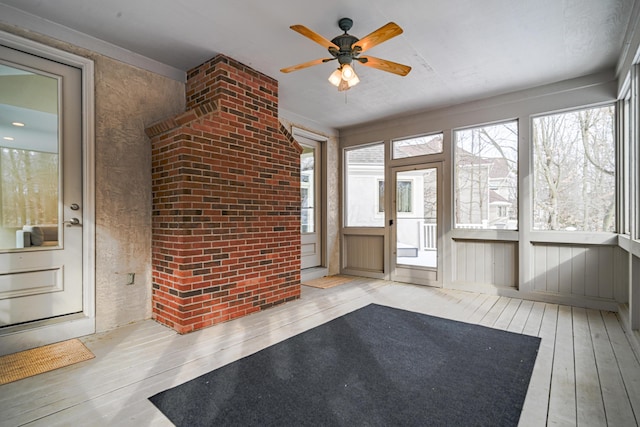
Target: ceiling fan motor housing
346,54
345,41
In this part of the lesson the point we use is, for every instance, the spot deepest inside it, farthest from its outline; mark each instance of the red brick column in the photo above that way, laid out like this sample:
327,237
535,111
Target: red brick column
226,201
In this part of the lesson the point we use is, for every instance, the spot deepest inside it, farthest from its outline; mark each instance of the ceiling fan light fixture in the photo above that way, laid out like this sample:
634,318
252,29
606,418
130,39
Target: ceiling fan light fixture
336,77
354,80
347,72
339,77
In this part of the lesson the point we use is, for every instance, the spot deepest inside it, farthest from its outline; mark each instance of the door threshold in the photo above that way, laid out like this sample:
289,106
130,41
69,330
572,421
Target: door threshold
313,273
12,329
43,332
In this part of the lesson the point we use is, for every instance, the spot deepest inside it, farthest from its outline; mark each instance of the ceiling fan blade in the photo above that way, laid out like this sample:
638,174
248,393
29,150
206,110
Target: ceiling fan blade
384,65
305,65
310,34
380,35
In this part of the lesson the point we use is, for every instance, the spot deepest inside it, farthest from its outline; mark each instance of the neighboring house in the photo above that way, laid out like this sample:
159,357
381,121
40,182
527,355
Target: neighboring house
485,198
503,203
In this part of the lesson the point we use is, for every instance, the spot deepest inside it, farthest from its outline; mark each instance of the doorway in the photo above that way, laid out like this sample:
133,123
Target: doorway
415,224
310,214
312,210
46,289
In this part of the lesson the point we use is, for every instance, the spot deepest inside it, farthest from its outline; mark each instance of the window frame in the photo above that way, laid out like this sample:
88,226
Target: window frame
425,135
454,179
345,186
577,236
624,153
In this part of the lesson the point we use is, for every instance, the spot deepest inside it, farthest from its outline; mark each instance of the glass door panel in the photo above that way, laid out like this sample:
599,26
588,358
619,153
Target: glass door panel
415,228
28,159
311,203
307,189
417,218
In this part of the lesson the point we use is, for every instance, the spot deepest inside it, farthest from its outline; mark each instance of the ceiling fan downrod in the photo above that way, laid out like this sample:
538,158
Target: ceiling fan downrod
345,42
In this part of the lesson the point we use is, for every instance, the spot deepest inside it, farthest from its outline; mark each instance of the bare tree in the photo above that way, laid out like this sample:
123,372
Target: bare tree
574,170
487,174
29,187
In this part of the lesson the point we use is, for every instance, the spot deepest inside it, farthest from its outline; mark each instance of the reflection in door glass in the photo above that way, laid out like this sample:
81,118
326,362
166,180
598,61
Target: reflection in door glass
417,218
418,146
28,158
307,190
364,175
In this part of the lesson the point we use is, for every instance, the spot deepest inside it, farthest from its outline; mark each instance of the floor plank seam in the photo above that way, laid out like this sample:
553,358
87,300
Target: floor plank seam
620,369
577,391
514,315
553,357
598,373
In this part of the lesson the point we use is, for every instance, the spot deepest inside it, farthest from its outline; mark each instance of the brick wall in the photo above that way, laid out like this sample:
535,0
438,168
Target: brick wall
226,201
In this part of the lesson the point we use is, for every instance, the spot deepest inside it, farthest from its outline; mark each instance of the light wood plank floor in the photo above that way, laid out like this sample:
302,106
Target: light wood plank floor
586,372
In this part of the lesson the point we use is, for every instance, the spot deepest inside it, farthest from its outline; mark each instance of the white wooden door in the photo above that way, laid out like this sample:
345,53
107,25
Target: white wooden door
310,212
41,206
415,225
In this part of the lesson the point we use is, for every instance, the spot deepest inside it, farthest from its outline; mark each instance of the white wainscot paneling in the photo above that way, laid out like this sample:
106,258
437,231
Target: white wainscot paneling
486,262
621,275
364,253
580,270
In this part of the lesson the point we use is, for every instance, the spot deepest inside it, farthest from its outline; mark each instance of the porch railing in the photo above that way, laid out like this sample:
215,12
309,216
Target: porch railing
429,237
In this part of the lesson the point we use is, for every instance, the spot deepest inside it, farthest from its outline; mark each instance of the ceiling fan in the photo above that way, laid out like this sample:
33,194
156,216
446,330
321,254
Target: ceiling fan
347,48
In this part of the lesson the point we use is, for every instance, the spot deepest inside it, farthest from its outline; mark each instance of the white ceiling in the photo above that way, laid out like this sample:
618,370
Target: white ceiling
460,50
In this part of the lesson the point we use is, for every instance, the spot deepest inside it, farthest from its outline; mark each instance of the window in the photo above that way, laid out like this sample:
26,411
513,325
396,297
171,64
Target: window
486,177
404,196
574,170
624,166
307,190
419,146
364,172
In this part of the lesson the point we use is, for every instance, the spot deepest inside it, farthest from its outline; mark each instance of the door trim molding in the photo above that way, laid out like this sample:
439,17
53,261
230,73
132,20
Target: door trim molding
20,337
417,278
322,142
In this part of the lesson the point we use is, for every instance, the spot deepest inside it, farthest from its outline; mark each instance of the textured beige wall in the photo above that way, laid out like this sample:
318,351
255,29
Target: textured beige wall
127,100
333,195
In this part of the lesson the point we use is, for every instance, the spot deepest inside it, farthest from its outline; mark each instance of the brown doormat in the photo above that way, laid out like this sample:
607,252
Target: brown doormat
328,281
16,366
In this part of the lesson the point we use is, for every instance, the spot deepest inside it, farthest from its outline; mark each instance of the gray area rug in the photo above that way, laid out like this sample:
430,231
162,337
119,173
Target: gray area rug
376,366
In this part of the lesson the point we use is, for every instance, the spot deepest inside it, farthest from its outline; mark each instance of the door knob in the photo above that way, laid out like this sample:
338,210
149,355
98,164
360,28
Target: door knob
72,221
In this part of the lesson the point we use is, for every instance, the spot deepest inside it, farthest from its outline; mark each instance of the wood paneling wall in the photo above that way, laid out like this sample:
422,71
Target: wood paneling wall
483,262
364,253
581,270
621,266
